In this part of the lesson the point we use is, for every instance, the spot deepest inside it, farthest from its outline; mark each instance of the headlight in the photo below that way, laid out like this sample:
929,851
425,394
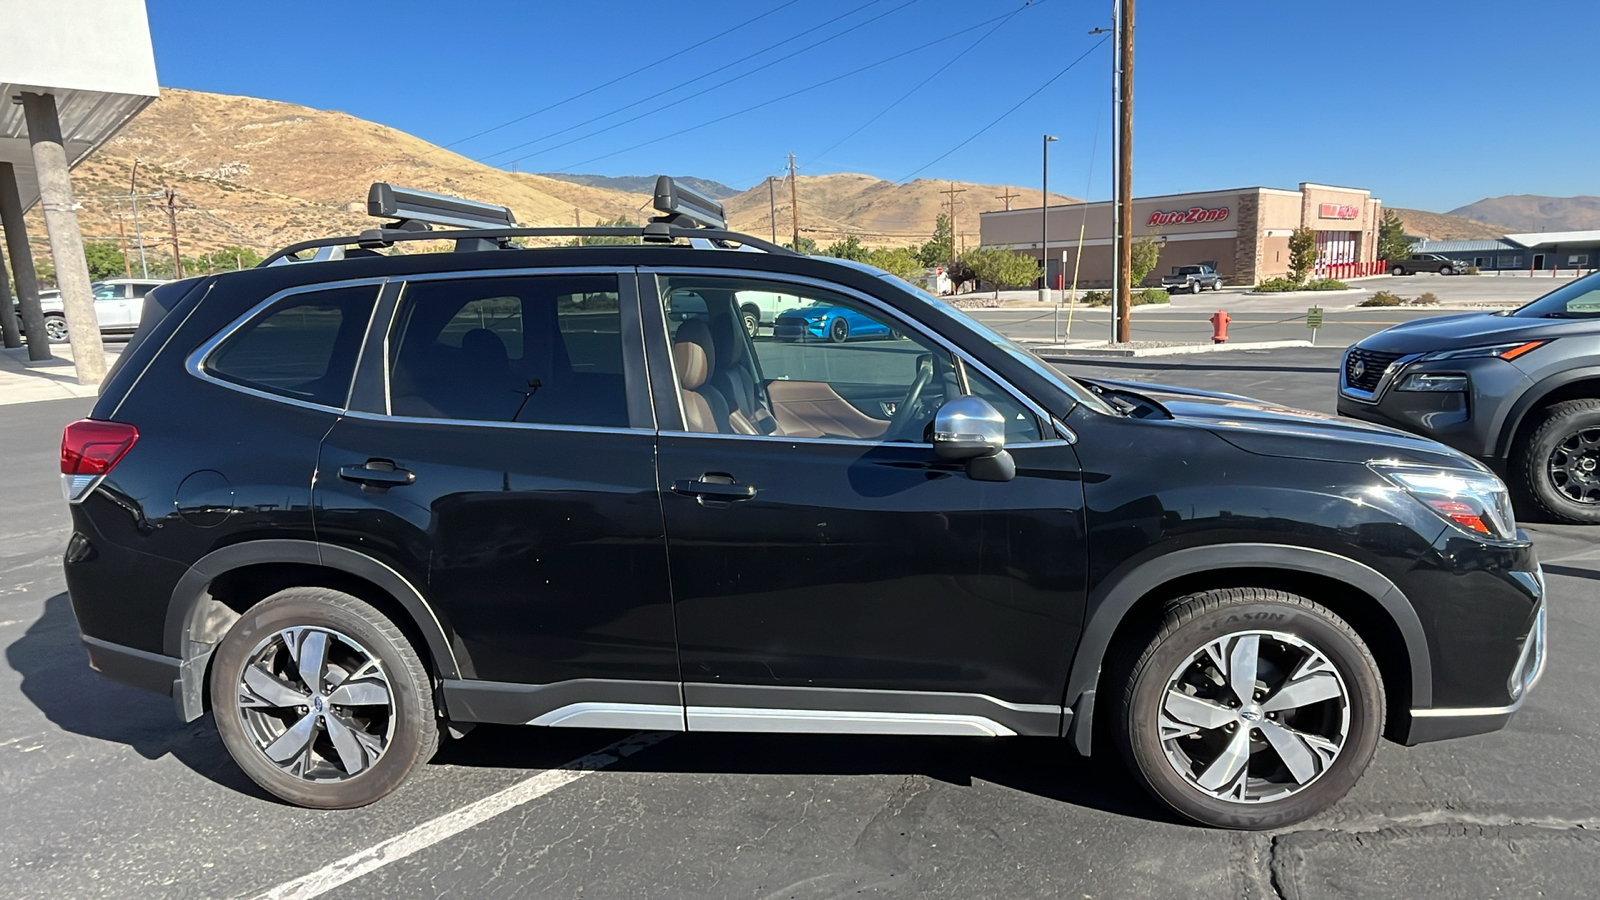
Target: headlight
1427,381
1504,351
1476,502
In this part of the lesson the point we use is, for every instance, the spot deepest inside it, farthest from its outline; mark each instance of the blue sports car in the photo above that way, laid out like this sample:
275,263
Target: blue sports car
836,323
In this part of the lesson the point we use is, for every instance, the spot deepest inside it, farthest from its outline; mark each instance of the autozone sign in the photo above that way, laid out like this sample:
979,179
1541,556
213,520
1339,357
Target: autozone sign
1338,211
1188,216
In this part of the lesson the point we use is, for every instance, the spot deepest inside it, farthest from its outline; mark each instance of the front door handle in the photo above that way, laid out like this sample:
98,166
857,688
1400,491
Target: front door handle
378,474
714,486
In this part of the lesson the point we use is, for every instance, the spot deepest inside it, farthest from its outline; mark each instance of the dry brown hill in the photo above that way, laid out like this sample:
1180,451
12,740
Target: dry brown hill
1530,212
1447,227
262,174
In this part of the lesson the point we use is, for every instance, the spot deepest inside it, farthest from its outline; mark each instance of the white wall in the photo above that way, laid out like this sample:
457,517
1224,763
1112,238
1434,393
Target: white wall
85,45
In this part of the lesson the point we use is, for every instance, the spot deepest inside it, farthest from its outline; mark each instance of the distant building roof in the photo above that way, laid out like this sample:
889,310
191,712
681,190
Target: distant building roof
1462,246
1545,238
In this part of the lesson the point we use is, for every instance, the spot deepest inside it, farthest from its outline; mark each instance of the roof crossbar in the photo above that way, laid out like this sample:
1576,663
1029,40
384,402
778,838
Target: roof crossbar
500,237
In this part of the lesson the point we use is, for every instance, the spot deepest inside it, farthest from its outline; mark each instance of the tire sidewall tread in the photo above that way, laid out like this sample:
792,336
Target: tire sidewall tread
1534,456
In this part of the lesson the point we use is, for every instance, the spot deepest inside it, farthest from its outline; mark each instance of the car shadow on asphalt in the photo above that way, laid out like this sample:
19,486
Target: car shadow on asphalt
1044,767
56,679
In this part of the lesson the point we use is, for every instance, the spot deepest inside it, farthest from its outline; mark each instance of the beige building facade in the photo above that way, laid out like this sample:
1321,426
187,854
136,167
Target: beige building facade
1243,232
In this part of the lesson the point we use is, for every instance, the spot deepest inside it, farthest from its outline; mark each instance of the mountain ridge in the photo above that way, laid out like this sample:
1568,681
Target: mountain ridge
1525,213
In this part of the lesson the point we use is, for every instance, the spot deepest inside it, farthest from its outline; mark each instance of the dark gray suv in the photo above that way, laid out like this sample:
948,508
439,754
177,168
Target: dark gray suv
1518,389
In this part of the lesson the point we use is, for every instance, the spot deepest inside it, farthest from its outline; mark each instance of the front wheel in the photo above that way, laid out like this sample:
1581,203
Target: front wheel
321,700
1250,708
1447,271
839,331
55,329
1397,270
1559,463
751,321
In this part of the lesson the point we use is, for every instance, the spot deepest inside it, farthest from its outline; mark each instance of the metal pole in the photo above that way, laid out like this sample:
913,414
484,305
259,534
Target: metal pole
772,208
22,264
1044,226
66,241
138,235
1116,193
1125,171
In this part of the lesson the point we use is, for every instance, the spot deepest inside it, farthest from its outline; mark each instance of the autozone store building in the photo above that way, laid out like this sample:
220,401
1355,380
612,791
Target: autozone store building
1243,232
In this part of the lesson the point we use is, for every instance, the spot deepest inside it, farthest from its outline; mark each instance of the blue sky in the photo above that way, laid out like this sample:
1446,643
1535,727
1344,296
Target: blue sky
1431,105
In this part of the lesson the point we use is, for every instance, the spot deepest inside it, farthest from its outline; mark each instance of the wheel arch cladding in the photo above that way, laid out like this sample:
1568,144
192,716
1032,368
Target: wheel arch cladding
208,599
1364,597
1576,384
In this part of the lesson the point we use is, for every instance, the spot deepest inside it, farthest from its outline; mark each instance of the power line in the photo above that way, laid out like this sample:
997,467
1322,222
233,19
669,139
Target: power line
703,91
787,96
975,135
582,94
936,73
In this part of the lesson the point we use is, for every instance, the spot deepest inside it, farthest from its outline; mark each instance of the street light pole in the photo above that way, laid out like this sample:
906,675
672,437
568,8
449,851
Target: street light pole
1044,229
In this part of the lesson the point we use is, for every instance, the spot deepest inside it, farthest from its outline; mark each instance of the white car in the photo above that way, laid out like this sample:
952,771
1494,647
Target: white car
118,303
758,308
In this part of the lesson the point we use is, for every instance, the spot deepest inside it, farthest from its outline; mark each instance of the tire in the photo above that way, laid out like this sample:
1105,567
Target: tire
1397,270
1558,465
383,740
839,331
751,320
1447,271
55,329
1346,714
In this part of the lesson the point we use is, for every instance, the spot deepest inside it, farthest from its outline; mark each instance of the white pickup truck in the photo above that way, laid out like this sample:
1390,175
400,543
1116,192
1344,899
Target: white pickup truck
759,309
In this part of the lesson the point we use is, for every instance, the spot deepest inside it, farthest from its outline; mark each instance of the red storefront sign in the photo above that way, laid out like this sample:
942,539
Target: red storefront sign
1187,216
1338,211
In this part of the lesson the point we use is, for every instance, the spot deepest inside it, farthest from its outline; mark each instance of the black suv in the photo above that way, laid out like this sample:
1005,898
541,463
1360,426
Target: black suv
352,505
1424,262
1518,389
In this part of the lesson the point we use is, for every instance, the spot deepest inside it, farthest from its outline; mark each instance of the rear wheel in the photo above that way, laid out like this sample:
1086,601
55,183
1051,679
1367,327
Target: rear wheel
1447,271
321,700
1397,270
751,319
55,329
839,331
1559,463
1250,708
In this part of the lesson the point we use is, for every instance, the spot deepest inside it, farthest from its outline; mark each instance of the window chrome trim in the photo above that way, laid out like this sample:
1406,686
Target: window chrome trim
1067,434
847,442
911,325
597,714
195,364
534,426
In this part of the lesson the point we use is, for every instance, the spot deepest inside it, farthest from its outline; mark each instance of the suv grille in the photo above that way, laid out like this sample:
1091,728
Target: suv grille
1363,369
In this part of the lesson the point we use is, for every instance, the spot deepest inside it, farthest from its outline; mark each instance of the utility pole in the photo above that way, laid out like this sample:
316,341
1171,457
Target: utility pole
1125,173
1007,197
794,204
1044,224
772,208
952,191
171,209
138,235
122,233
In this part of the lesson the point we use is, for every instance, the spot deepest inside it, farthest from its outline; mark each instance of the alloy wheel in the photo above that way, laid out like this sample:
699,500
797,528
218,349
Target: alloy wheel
1574,465
55,329
1254,716
316,703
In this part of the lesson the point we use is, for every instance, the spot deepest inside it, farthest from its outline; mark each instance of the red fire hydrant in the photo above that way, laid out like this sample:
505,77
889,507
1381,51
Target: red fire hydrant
1219,327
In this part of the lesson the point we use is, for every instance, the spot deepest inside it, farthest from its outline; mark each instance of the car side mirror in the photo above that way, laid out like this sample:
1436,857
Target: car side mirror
970,428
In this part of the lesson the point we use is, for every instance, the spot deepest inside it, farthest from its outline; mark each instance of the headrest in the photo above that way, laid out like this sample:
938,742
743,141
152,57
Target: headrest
727,334
693,368
696,331
484,347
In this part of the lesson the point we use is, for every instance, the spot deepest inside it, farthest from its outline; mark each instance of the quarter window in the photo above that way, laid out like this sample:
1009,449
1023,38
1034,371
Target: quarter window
542,349
303,346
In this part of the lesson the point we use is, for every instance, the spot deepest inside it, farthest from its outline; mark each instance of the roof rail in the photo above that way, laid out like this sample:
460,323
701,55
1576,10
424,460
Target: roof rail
686,214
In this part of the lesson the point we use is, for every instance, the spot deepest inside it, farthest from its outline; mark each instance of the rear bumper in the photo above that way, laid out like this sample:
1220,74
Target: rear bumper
1453,722
181,680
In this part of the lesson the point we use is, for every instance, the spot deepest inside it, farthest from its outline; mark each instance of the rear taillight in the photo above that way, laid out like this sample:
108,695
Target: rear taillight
89,449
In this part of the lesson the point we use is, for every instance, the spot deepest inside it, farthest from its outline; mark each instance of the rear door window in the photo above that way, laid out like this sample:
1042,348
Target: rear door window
303,347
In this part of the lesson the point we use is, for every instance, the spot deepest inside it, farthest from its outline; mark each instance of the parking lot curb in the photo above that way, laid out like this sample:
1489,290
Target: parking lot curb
1105,350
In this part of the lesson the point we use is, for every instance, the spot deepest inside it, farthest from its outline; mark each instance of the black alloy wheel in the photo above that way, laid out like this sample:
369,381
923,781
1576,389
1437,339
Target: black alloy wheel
839,331
1559,465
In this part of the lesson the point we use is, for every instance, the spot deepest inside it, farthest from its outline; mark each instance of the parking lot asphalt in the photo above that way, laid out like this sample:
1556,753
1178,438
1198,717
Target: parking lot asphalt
107,795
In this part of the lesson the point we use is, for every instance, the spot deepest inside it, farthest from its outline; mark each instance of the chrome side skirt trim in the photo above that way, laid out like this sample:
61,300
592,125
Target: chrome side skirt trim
818,721
646,716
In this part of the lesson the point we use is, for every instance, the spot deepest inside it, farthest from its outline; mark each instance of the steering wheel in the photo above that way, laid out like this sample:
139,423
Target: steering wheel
907,415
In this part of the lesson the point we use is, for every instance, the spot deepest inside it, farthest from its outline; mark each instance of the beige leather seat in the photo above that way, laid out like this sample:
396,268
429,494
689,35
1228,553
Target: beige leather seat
694,367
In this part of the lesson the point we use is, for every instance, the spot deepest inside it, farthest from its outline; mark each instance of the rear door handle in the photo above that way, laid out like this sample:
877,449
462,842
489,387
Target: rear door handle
714,486
378,474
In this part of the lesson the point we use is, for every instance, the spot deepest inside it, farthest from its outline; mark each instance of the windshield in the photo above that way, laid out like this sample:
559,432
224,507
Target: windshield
1038,366
1578,300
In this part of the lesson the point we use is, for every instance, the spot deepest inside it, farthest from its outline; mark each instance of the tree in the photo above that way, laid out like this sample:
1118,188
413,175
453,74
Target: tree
104,259
1146,254
902,262
1302,253
941,248
807,246
618,222
1001,268
225,259
849,248
1392,241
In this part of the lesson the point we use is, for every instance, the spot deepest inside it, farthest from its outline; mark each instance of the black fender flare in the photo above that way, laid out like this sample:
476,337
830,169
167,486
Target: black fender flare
1110,603
185,608
1531,398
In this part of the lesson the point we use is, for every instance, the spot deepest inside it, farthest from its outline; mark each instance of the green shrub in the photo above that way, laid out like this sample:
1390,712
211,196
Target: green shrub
1326,284
1151,295
1097,298
1274,285
1381,298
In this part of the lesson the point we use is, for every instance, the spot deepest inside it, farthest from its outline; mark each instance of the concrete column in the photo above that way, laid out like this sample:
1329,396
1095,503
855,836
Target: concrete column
66,241
22,263
9,335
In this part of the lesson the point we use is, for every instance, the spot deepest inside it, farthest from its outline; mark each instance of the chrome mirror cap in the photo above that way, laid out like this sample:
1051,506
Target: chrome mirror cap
968,427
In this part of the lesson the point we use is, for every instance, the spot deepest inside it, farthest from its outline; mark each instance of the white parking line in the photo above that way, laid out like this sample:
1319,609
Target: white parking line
452,823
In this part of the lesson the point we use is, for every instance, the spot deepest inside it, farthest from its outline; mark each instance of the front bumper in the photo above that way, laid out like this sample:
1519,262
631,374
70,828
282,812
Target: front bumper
1469,420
